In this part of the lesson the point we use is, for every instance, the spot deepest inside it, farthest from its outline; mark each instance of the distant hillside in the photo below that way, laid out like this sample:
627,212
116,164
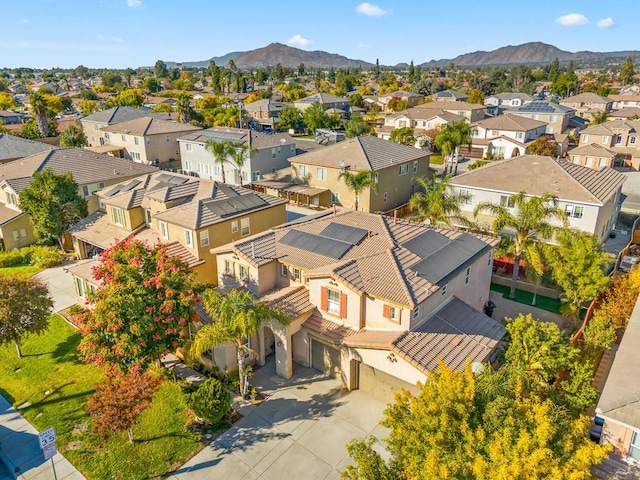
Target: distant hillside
220,61
527,53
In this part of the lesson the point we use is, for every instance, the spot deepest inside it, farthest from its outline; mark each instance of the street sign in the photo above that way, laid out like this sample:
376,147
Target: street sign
48,437
49,451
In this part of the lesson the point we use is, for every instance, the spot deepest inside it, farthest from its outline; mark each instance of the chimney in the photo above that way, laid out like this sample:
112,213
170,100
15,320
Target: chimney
253,250
395,217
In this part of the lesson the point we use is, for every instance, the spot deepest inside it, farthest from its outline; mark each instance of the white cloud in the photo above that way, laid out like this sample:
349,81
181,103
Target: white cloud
117,40
606,22
572,20
365,8
298,39
134,3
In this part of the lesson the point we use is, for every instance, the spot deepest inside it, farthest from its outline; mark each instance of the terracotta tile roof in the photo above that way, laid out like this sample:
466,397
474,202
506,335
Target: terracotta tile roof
376,339
626,112
537,175
514,123
293,300
239,135
446,105
96,230
586,97
613,127
7,214
594,149
176,249
328,328
455,333
84,270
121,114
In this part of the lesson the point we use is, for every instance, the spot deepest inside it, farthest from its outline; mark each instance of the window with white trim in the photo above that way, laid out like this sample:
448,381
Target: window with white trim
23,233
415,166
335,197
188,237
576,159
574,211
117,216
403,169
244,273
147,217
602,162
507,201
284,270
12,199
164,230
467,196
244,226
136,140
123,137
632,140
296,274
255,176
467,276
585,137
228,267
618,139
303,170
395,314
16,236
204,238
188,147
234,226
333,302
605,138
321,173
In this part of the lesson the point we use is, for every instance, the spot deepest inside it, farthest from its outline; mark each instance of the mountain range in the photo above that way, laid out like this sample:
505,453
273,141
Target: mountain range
527,53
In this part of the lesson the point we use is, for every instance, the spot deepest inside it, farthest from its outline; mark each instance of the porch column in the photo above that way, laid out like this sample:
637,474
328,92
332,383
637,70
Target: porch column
284,355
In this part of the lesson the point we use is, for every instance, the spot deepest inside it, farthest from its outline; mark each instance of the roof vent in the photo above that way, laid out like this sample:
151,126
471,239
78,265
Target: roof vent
115,172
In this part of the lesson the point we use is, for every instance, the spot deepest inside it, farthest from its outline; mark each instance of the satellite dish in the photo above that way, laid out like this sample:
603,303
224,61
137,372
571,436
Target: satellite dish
283,140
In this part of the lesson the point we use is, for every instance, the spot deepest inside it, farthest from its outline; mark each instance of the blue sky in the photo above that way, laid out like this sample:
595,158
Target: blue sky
121,33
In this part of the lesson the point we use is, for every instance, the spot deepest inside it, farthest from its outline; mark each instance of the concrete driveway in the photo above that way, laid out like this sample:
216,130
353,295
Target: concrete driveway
60,284
299,432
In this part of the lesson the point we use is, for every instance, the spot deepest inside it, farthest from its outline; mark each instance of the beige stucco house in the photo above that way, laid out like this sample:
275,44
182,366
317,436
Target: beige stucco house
396,168
557,117
588,104
371,300
591,198
613,143
91,171
92,124
188,214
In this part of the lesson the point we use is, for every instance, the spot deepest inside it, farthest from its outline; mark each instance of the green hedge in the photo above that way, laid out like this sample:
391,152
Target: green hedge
38,256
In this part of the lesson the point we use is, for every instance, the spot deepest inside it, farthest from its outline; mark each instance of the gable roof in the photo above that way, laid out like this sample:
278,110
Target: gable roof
450,94
544,108
116,115
249,138
16,147
613,127
587,97
362,154
512,123
85,166
149,126
594,149
537,175
447,105
322,98
512,95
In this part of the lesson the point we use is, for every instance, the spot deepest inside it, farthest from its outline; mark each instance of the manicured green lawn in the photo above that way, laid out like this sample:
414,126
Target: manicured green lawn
51,377
436,160
23,270
544,303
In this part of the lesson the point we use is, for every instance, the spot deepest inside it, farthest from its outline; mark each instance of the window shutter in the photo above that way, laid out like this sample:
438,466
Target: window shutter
343,305
386,311
324,298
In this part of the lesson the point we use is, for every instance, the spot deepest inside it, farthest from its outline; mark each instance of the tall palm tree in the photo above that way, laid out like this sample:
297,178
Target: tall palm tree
600,117
183,107
452,136
357,182
239,154
221,152
40,111
528,219
237,315
72,137
438,203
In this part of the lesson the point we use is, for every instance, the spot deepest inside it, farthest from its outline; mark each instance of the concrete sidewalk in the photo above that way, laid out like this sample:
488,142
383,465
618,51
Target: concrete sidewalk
20,451
60,284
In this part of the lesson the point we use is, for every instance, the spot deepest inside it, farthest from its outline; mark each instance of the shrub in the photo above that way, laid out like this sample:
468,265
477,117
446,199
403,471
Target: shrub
210,401
41,256
11,258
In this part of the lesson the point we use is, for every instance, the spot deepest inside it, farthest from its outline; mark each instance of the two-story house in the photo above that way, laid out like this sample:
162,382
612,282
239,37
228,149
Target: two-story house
449,96
372,300
591,198
588,104
504,136
424,122
610,144
626,100
411,98
91,171
472,112
557,117
92,124
395,167
265,113
268,153
188,214
325,99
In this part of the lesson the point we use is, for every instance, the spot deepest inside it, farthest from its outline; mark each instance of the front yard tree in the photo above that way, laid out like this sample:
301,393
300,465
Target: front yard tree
120,399
453,135
403,136
211,400
236,316
25,307
315,117
73,137
357,182
221,152
437,203
53,203
544,146
529,219
183,107
357,127
146,299
290,118
627,72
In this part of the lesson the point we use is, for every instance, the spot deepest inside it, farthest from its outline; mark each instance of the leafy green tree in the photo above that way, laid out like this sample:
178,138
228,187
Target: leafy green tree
476,96
73,137
111,79
544,146
211,400
564,84
25,307
30,129
238,154
315,117
356,127
40,112
528,219
618,302
356,100
183,107
452,135
128,98
6,101
600,333
146,300
578,265
290,118
221,152
403,136
627,72
437,203
397,104
151,84
53,203
237,315
357,182
600,117
160,69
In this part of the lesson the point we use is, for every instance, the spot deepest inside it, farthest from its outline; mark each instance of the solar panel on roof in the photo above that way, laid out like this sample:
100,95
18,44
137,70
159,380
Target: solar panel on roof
127,187
345,233
235,205
426,243
321,245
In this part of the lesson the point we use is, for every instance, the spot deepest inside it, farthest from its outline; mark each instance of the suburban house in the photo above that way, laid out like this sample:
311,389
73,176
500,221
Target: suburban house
150,101
12,147
188,214
424,122
588,104
629,113
504,136
449,96
591,198
272,152
332,273
396,168
149,140
472,112
91,171
411,98
625,100
619,404
7,117
92,124
265,113
507,100
556,116
619,139
326,100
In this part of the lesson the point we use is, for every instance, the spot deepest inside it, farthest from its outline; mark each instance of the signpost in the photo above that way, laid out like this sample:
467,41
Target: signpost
47,440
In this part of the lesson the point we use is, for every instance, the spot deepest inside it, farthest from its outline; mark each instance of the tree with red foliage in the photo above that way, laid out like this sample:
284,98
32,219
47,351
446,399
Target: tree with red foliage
120,399
146,300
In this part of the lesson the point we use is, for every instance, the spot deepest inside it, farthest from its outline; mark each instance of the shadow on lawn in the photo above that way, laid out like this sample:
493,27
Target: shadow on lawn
67,351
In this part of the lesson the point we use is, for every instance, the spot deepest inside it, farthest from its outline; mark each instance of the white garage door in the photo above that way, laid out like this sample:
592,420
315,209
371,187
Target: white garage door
325,358
380,384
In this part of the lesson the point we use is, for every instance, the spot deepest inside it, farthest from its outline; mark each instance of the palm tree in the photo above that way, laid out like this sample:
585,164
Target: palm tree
237,316
529,219
40,111
357,182
451,136
600,117
221,152
438,203
239,154
183,107
72,137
